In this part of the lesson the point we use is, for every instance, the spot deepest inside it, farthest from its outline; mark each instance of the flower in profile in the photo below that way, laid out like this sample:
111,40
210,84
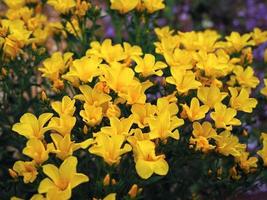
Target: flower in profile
64,107
109,147
36,150
123,6
31,127
237,42
153,5
61,180
62,6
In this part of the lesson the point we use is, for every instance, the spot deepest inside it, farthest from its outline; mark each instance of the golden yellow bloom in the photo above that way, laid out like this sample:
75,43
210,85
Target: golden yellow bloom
62,6
224,117
112,111
110,53
85,69
73,27
93,96
64,107
82,7
109,147
167,44
135,93
123,6
228,144
247,163
36,150
31,127
153,5
162,126
118,127
141,113
184,80
111,196
263,152
15,3
180,58
202,133
24,13
64,147
241,101
146,161
63,124
61,180
91,115
245,77
237,42
27,170
259,36
130,52
56,65
163,32
195,111
264,90
148,65
210,95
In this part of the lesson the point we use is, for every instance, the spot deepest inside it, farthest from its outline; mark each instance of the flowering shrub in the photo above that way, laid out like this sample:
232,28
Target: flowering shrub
154,112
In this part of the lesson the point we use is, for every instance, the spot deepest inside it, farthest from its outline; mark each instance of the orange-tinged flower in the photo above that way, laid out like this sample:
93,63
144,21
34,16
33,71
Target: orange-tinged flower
27,170
61,180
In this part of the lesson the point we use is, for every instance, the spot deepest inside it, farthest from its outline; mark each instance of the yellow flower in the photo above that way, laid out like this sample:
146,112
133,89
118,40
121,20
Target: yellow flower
64,147
148,65
135,93
224,117
195,111
228,144
259,36
111,196
123,6
91,115
184,80
167,44
153,5
163,32
31,127
62,6
84,69
263,152
62,124
118,127
163,124
146,161
131,51
15,4
36,150
27,170
180,58
61,180
73,27
238,42
264,90
56,65
110,53
66,107
112,111
247,163
109,147
118,77
202,133
141,113
241,101
210,95
245,77
93,96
